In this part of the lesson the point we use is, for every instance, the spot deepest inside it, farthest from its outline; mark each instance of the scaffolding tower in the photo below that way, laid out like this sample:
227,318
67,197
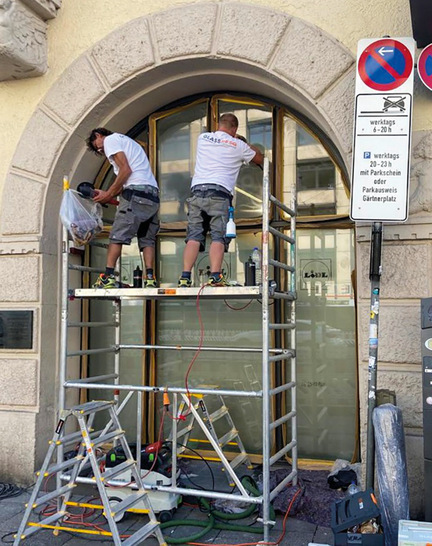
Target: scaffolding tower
278,349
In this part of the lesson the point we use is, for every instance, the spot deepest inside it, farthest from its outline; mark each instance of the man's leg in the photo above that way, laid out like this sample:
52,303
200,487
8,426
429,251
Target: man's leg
114,253
149,257
190,254
216,255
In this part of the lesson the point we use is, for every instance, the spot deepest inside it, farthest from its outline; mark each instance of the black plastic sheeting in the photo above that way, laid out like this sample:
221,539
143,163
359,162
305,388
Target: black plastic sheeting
391,469
313,504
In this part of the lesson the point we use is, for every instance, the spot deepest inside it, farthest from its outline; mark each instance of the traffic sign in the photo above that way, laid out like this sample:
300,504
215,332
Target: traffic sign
382,130
379,190
424,66
386,64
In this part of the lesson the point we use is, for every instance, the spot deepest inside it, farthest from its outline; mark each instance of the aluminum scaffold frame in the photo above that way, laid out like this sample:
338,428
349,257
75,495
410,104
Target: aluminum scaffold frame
272,356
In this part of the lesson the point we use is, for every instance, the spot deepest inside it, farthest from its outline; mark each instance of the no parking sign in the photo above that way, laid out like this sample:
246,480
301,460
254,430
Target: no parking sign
424,66
382,130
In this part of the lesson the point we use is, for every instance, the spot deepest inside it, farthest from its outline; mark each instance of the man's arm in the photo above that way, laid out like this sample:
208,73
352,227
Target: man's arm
117,186
258,157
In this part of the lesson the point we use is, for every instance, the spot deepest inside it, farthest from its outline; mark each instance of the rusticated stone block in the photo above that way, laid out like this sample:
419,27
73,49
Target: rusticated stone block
18,378
236,39
185,31
17,431
304,50
125,51
25,199
20,278
36,155
76,92
337,103
405,270
399,333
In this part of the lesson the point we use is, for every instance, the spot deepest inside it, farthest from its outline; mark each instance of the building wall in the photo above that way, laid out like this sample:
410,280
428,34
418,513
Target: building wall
115,61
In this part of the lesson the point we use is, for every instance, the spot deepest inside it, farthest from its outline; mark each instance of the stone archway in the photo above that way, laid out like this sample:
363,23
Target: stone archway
139,67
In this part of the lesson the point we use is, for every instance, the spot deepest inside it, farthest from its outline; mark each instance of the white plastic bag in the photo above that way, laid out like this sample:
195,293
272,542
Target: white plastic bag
81,217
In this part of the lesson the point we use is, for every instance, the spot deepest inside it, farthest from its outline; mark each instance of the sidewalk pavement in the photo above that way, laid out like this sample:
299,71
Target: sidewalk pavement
297,532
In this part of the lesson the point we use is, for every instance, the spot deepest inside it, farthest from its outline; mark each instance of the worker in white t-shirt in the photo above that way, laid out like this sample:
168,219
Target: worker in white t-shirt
219,158
138,210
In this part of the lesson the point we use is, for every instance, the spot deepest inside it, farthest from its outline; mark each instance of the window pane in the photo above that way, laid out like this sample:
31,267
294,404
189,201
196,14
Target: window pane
226,324
176,136
326,345
320,188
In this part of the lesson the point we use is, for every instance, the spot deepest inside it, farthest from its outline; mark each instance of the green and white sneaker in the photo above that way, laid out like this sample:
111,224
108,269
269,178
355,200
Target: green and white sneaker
184,282
218,281
150,283
106,281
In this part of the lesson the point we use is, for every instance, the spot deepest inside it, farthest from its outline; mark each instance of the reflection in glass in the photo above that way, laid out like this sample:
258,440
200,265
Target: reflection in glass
320,188
176,145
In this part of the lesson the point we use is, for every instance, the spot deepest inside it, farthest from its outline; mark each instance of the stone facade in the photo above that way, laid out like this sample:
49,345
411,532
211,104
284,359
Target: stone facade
142,66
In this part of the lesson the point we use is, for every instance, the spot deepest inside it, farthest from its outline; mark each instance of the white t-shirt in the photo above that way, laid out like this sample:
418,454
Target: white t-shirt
137,159
219,158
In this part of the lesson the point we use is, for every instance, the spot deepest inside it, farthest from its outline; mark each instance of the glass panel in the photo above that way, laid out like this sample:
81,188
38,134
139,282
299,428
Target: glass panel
176,136
326,344
256,125
320,188
235,323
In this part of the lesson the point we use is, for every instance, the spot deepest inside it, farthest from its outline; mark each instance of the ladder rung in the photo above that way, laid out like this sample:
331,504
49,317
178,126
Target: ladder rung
286,326
37,527
128,502
65,464
107,437
92,407
184,431
116,470
238,460
228,437
54,494
76,437
221,412
141,534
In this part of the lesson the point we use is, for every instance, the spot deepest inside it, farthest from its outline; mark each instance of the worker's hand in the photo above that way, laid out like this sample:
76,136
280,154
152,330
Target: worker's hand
102,196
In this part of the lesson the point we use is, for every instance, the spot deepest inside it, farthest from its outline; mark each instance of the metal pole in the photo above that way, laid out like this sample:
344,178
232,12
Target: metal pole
265,353
374,276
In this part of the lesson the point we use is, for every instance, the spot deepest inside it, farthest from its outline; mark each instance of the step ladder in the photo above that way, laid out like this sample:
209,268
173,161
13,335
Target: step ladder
196,411
89,441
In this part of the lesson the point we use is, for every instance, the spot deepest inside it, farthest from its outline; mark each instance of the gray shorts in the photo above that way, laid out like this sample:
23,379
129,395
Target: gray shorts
207,213
138,217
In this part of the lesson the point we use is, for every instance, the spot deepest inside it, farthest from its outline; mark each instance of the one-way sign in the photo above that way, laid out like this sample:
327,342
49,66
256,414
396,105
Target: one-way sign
382,130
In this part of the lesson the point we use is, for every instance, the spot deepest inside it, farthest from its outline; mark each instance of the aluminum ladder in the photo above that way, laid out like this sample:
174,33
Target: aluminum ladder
198,413
89,441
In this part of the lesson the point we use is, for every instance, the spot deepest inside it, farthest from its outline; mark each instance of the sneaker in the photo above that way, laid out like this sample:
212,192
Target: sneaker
184,282
221,281
149,283
106,281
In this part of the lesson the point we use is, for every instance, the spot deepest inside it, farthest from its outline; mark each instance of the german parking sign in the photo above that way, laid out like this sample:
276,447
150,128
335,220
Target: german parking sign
424,66
382,130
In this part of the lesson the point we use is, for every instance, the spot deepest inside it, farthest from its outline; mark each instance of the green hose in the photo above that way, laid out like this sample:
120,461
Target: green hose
249,484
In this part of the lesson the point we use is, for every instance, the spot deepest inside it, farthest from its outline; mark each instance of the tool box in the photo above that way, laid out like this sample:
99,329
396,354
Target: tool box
354,511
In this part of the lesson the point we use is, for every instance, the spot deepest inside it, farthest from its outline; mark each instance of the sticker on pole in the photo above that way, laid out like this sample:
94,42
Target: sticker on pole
385,64
424,66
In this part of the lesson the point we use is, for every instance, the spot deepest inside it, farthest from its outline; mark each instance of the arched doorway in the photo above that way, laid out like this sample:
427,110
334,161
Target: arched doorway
326,337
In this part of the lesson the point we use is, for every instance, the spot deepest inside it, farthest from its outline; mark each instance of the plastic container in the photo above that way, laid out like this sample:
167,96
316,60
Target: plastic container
137,277
256,258
249,272
352,489
230,227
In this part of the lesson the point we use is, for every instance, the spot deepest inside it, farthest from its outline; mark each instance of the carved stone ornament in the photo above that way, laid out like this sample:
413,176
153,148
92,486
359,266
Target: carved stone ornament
421,175
23,41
